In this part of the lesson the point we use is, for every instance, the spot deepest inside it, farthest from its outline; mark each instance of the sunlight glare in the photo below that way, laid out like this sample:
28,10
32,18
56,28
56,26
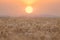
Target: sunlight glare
29,9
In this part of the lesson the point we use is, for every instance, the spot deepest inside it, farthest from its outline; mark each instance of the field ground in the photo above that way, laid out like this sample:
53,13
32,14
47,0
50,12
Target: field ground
29,28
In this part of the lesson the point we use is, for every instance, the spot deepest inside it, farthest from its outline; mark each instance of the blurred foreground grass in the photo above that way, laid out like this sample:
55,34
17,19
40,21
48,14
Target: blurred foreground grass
29,28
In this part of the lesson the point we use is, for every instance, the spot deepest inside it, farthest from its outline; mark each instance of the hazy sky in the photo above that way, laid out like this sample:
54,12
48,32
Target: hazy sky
40,8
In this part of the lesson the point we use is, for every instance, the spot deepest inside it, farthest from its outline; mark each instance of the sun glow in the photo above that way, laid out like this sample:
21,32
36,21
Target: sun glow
29,9
28,2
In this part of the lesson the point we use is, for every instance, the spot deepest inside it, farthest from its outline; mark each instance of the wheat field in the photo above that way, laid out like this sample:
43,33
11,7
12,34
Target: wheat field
29,28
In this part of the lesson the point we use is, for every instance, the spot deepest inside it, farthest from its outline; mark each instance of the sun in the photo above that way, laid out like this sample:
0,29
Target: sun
28,9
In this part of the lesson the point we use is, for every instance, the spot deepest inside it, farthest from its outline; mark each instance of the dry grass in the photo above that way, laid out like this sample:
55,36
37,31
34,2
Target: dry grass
29,28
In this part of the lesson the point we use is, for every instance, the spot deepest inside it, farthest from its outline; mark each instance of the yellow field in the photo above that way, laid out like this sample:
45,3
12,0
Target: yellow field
29,28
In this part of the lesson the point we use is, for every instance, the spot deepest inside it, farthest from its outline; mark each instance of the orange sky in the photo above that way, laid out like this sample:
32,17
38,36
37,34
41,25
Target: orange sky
40,8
